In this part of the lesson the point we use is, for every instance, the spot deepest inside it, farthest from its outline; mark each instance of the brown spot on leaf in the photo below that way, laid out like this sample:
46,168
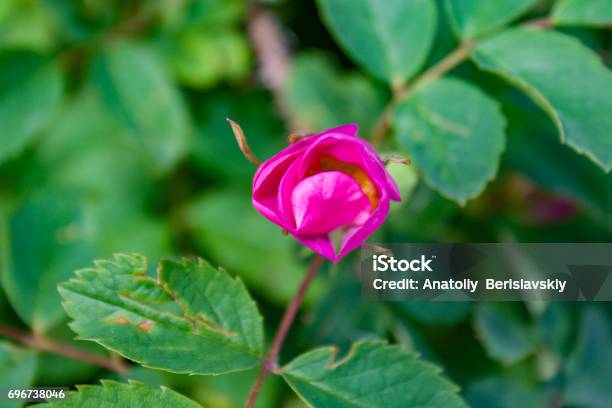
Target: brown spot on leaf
121,320
146,325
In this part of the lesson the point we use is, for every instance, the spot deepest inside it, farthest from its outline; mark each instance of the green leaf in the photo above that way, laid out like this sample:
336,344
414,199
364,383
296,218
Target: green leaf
372,375
203,57
340,315
226,225
559,169
446,38
426,217
557,327
193,319
25,25
75,22
119,395
17,367
504,333
320,97
589,381
390,39
406,178
499,392
44,239
139,92
436,313
77,158
455,134
132,230
207,294
30,92
196,13
472,18
587,13
536,61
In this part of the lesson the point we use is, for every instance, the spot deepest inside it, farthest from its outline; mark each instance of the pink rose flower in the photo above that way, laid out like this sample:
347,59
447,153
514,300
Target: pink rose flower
330,191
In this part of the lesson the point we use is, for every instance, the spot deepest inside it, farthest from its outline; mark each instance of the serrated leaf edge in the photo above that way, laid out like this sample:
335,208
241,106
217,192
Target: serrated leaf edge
209,323
105,383
536,96
142,363
333,364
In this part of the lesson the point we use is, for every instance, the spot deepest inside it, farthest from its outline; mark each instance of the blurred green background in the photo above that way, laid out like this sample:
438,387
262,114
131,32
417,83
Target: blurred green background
113,139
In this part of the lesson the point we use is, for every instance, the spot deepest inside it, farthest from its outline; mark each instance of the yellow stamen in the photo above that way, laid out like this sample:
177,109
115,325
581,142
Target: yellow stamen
350,169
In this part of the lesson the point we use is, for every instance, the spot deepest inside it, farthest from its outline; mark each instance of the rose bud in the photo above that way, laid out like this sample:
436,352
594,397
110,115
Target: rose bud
329,190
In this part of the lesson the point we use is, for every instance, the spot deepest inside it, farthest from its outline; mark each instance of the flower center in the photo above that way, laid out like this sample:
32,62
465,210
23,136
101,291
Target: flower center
350,169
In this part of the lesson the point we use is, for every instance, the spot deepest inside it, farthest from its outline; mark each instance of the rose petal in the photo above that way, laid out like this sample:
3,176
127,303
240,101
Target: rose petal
327,201
285,191
321,244
310,206
350,129
356,236
352,150
394,192
266,183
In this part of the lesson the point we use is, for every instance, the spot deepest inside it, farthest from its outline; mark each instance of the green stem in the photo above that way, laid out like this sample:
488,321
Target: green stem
442,67
438,70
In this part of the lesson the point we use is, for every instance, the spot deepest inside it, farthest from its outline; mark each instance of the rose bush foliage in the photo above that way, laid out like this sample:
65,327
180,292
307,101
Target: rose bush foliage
113,139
